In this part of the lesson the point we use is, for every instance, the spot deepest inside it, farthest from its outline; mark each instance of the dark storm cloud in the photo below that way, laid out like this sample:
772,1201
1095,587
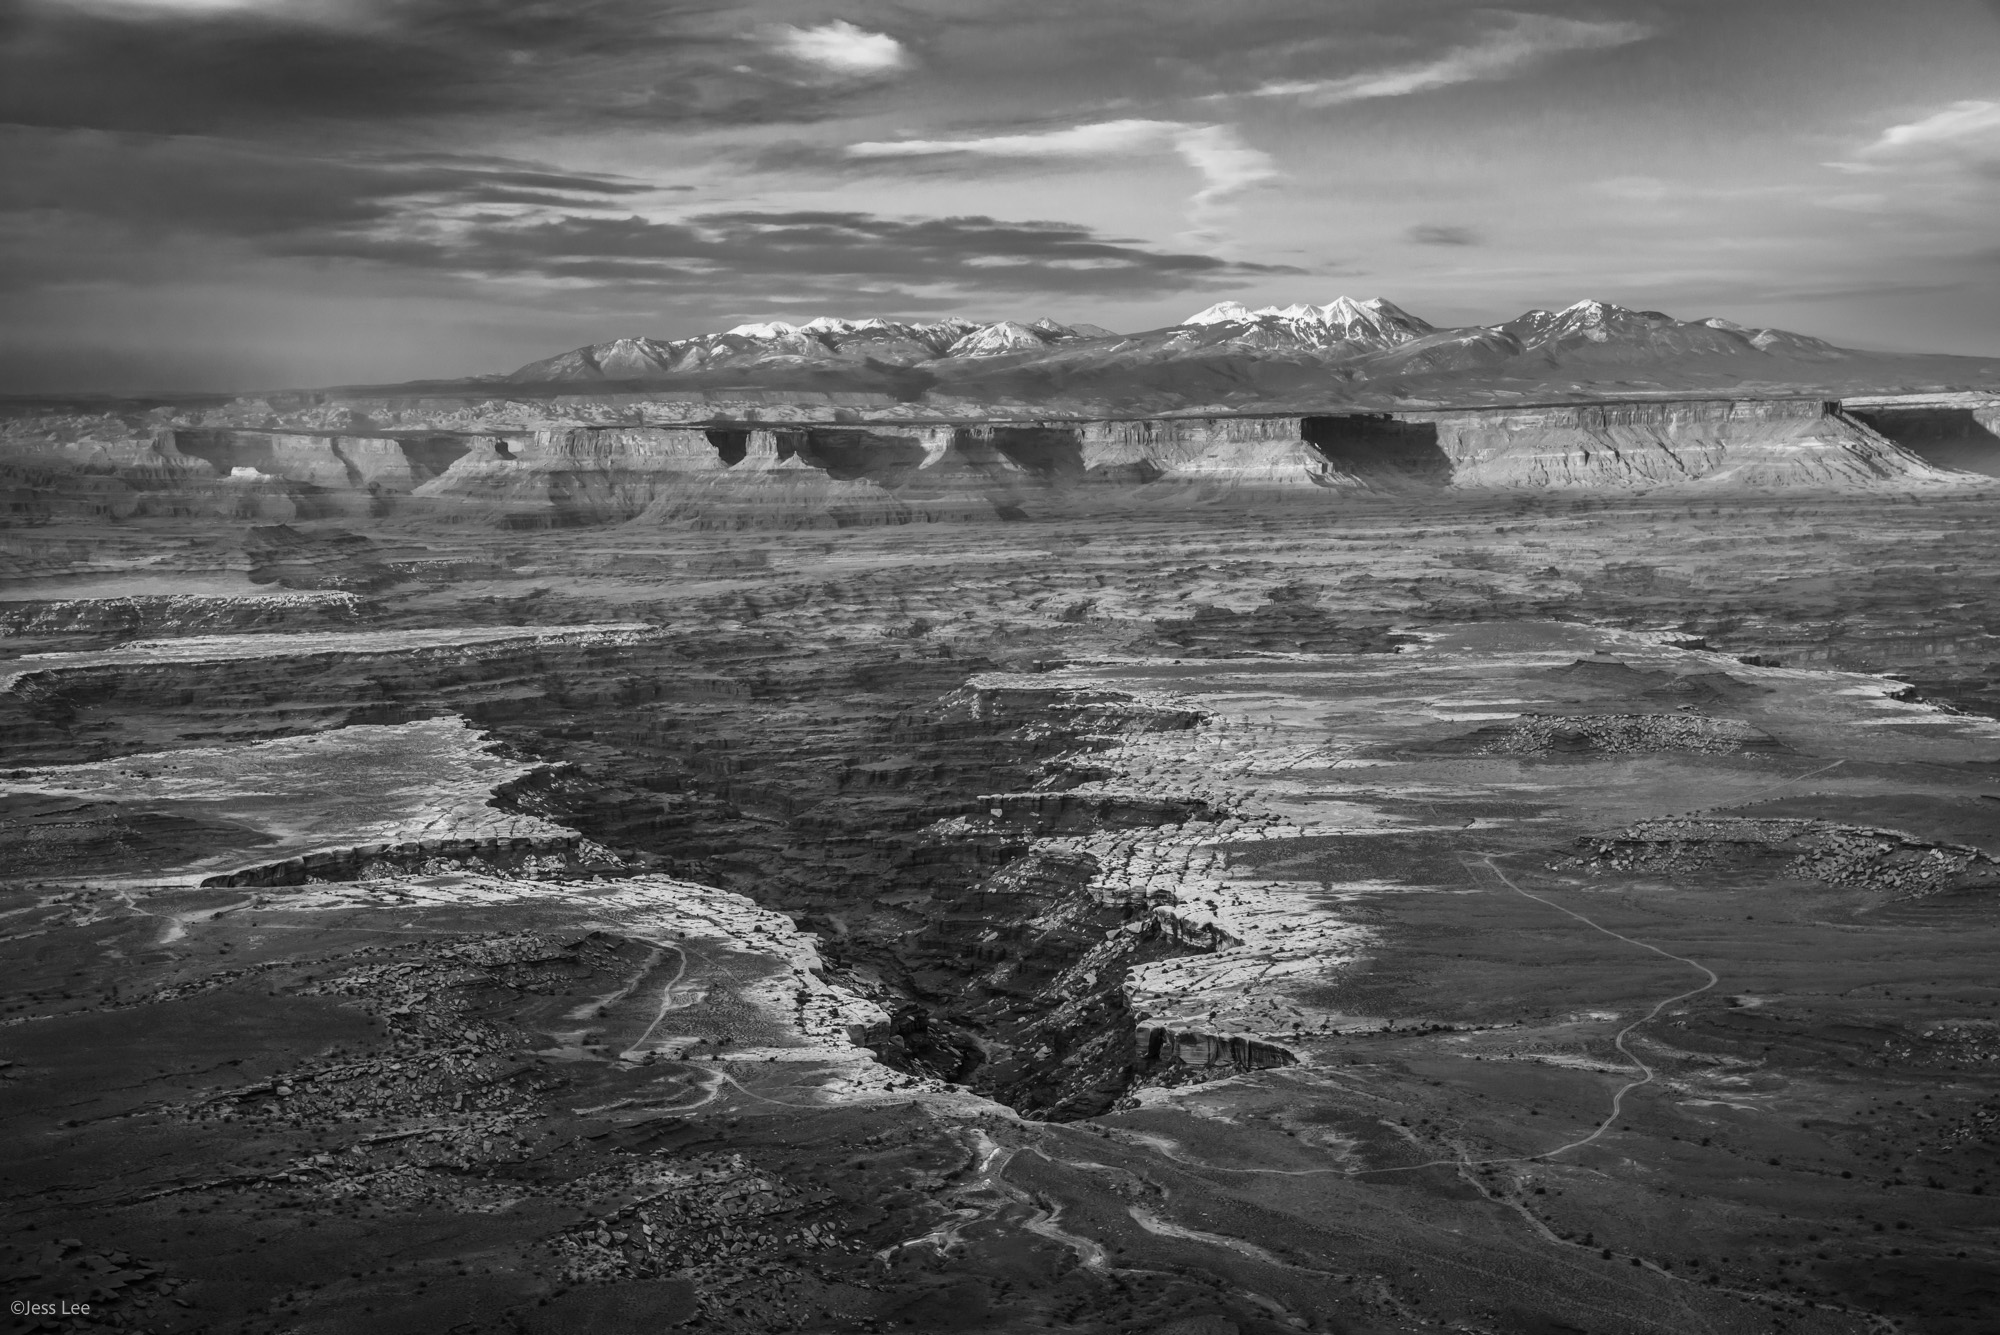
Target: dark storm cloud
260,65
1432,234
165,184
172,72
250,70
750,252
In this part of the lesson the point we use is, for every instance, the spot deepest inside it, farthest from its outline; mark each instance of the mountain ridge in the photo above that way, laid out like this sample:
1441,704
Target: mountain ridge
1232,357
1343,325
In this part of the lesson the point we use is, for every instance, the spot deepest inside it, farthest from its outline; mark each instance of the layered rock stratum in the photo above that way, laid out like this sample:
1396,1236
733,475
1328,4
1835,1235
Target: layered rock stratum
840,422
569,464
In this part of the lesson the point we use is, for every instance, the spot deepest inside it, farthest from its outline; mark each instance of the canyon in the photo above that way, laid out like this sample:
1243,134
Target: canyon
875,825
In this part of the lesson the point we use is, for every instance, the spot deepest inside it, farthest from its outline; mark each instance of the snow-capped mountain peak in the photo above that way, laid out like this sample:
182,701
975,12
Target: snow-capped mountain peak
1224,312
765,331
1343,320
993,339
1590,320
1363,338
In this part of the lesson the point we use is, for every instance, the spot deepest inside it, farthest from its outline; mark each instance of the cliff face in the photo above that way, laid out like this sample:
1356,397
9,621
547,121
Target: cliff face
107,467
510,472
1959,431
1778,443
1227,452
1801,443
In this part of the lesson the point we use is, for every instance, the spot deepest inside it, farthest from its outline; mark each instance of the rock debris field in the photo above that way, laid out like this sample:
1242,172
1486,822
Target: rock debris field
1224,920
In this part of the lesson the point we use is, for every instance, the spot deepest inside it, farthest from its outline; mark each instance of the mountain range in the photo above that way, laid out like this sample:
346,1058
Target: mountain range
1230,355
828,339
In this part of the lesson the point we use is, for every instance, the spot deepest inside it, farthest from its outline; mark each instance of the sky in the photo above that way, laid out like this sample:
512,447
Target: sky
242,194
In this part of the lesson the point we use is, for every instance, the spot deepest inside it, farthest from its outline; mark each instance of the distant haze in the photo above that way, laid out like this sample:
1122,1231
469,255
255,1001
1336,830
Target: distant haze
233,194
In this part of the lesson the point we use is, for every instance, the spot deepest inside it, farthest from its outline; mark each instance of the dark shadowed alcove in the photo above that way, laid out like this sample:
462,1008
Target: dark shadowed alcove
1381,449
431,455
1942,437
849,456
1051,452
731,444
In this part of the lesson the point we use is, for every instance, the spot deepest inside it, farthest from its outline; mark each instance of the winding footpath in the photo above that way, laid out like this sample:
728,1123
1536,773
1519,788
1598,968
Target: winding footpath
1647,1072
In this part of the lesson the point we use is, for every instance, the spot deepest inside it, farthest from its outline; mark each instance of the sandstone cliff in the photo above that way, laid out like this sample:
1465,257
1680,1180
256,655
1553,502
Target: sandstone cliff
505,466
1779,443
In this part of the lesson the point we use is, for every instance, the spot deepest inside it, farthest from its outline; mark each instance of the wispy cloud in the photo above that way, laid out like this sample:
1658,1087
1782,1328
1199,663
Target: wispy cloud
843,49
746,255
1970,128
1516,44
1934,179
1433,234
167,186
1072,141
1949,158
455,217
1227,165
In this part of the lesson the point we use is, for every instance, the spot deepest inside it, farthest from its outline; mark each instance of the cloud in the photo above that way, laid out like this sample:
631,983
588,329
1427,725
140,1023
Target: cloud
82,204
743,254
1942,168
1227,165
169,184
1074,141
843,49
1520,42
292,10
267,67
1961,129
1431,234
1638,189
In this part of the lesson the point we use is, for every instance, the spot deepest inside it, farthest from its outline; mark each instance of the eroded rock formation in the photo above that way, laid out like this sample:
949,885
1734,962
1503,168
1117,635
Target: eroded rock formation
530,466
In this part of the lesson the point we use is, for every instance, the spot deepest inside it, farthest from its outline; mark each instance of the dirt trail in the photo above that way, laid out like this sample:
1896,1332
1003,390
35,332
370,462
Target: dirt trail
1617,1099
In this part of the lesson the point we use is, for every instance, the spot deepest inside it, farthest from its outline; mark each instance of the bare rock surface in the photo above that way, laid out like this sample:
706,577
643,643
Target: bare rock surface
350,795
47,669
